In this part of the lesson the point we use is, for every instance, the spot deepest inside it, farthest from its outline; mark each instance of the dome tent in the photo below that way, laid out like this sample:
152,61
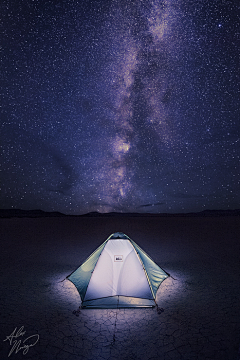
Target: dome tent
119,274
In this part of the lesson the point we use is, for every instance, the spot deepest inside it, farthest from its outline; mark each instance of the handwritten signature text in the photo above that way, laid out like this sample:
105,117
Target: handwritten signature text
20,344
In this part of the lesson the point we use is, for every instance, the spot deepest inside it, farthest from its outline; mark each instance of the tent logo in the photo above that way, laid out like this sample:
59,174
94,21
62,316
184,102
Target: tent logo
118,258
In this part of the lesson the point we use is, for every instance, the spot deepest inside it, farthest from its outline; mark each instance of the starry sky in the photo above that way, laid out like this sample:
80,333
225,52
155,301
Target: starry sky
126,106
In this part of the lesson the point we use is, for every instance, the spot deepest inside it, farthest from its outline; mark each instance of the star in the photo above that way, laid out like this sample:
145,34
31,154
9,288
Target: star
120,106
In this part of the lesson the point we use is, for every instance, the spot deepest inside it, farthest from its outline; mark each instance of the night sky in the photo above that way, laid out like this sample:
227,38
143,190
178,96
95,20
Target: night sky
127,106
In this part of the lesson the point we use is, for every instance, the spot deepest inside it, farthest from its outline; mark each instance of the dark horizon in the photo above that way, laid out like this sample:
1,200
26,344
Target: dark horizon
5,213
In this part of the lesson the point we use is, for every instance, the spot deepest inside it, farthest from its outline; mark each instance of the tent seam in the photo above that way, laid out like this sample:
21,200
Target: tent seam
95,264
127,296
149,283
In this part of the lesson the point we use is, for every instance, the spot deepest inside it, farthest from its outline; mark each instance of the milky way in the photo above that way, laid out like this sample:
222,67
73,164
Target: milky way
120,106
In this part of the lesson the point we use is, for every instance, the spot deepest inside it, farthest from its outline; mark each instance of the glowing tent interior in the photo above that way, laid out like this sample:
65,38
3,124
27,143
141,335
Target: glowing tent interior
118,274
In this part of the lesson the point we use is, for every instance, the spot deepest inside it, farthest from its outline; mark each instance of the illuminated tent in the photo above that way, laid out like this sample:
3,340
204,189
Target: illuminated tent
118,274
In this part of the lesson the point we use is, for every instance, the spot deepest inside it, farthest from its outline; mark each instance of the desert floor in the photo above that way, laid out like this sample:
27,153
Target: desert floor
200,301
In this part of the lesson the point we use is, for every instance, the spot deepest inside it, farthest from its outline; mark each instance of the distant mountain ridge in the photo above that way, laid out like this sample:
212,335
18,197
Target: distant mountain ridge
11,213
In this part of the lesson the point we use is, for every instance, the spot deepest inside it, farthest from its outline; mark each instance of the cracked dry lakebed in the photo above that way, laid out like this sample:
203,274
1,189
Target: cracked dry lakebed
198,313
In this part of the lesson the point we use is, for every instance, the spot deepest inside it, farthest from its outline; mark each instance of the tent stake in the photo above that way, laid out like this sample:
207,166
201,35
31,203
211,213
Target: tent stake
159,310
